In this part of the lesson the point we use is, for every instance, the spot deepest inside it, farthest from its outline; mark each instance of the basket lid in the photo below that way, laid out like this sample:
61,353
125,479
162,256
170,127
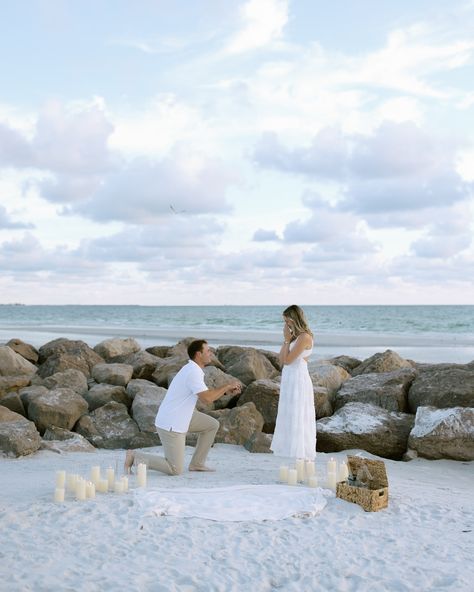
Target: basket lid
369,471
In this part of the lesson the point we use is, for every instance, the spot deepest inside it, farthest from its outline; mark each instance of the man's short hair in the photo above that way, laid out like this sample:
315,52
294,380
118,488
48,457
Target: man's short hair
194,347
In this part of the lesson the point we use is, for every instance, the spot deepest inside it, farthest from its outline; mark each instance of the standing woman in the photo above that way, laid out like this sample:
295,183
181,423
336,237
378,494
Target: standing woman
295,429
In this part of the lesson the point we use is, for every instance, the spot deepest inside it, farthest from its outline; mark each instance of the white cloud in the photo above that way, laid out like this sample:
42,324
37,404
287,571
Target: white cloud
263,22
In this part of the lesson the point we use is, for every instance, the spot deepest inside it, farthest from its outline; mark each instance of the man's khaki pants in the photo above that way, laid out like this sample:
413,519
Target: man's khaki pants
174,444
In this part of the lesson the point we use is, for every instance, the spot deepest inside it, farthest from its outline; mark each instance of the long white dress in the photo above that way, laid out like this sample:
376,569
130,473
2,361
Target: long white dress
295,429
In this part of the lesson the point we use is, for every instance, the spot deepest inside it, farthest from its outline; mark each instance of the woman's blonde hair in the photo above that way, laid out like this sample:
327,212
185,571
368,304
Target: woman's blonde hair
295,313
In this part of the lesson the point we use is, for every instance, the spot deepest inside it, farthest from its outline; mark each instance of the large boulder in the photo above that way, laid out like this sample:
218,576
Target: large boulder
26,350
443,433
272,357
388,390
159,351
386,361
442,385
118,374
246,363
323,402
327,375
109,426
30,393
365,426
62,354
13,364
18,436
237,425
60,440
142,362
347,362
13,402
264,394
147,399
72,379
109,349
259,442
61,407
101,394
166,370
215,378
10,384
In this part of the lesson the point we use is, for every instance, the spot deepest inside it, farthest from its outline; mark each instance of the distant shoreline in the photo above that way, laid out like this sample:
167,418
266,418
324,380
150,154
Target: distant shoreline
429,347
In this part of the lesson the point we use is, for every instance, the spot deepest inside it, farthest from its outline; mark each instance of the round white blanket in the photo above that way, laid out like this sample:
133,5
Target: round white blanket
238,503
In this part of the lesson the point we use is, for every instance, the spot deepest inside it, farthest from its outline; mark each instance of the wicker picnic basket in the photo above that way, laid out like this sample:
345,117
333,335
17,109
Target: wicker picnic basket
371,491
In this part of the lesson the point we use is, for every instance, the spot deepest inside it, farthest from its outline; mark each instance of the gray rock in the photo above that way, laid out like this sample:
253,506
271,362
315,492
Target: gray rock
18,436
142,362
442,385
10,384
60,407
347,362
388,390
109,426
30,393
215,378
118,374
264,394
272,357
101,394
167,369
73,379
323,402
159,351
365,426
26,350
112,348
13,402
327,375
13,364
443,433
62,354
388,361
60,440
259,442
237,425
146,402
246,363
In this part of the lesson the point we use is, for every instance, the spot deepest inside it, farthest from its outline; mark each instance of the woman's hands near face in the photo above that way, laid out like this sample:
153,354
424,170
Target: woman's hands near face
287,333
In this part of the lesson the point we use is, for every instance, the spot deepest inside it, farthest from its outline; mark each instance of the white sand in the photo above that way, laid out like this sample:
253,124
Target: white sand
423,541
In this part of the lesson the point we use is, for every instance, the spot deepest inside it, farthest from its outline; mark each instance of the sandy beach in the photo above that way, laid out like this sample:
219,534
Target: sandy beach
424,540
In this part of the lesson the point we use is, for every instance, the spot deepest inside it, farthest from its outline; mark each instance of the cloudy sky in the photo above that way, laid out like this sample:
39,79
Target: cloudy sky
237,152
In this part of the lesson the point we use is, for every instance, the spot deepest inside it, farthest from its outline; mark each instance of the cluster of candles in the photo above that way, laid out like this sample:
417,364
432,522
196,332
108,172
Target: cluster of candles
305,472
83,488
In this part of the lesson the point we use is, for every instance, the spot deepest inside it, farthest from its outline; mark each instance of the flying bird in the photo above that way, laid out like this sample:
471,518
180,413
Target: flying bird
176,211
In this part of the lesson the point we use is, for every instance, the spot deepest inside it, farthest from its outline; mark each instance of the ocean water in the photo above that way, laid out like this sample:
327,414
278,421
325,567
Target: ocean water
422,333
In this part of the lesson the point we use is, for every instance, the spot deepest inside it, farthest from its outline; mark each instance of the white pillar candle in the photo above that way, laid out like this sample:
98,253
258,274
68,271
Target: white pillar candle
81,489
292,476
118,486
343,473
300,469
59,494
90,490
331,480
60,479
110,473
102,485
125,483
141,475
95,474
284,473
332,465
312,481
309,468
71,479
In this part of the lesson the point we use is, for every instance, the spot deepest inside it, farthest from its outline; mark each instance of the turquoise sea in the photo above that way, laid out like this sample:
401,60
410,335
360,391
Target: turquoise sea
422,333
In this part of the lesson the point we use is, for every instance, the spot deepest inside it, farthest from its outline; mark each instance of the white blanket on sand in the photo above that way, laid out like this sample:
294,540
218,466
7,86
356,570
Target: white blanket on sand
238,503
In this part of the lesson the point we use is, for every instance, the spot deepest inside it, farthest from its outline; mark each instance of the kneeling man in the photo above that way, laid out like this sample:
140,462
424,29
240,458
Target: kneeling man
177,416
